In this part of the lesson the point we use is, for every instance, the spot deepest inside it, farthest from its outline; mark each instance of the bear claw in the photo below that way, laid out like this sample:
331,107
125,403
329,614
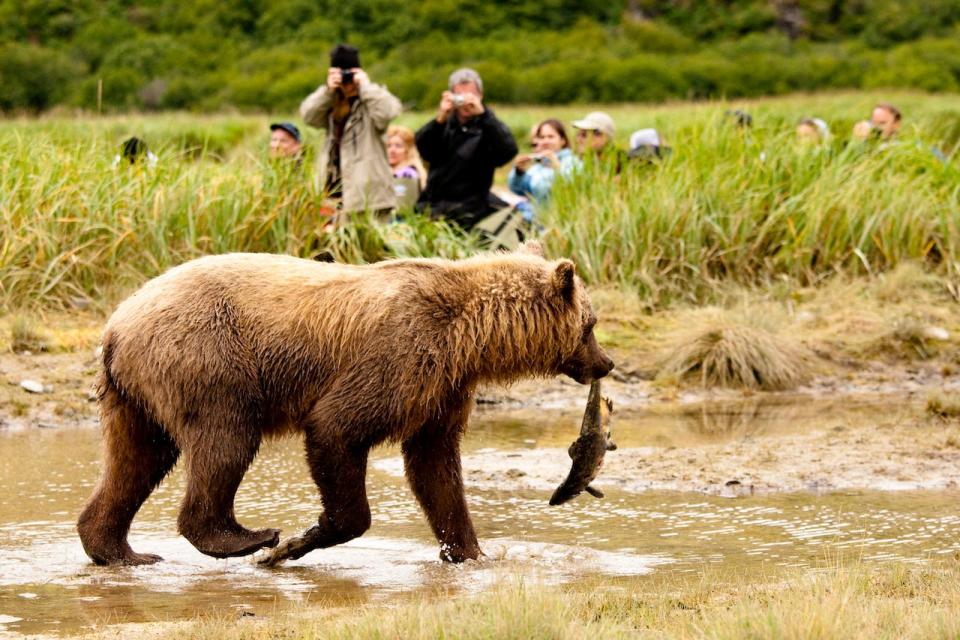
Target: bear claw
125,559
233,545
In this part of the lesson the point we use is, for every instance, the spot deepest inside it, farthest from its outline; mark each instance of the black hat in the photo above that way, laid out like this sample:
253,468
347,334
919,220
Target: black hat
289,127
343,56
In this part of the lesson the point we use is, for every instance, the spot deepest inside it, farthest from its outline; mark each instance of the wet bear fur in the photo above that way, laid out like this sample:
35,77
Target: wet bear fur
207,359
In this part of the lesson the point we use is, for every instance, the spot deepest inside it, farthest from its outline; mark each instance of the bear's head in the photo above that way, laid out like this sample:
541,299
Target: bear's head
579,355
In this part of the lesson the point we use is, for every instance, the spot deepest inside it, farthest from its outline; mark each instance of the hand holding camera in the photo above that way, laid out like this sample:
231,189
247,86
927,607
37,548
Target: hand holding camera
334,78
468,105
341,77
446,107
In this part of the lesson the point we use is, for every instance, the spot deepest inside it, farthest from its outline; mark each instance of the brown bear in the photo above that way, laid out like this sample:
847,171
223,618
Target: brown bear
217,353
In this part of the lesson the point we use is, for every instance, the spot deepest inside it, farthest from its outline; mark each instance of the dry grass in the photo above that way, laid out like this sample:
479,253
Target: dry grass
723,351
893,601
943,405
26,335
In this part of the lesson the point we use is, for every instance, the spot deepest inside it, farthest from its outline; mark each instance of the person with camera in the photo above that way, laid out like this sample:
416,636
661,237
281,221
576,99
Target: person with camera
355,113
533,174
884,123
463,145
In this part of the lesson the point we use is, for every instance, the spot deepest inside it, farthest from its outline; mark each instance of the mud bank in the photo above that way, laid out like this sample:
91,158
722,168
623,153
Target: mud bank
737,448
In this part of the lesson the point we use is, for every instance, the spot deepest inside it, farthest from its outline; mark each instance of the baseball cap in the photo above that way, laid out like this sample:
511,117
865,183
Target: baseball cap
597,121
289,127
644,138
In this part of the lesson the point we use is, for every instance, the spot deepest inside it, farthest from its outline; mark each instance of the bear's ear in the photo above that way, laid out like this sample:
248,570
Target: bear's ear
563,279
531,247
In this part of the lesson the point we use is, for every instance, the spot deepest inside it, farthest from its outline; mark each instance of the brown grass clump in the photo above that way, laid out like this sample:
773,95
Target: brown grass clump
943,405
25,335
722,353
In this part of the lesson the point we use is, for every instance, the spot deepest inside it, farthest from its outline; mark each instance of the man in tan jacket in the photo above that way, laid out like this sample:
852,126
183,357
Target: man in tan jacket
356,113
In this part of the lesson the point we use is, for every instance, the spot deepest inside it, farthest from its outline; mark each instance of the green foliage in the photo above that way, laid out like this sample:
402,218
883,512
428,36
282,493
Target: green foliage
33,77
260,56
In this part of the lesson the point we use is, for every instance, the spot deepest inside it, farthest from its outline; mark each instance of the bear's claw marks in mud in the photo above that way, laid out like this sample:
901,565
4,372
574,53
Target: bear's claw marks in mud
588,450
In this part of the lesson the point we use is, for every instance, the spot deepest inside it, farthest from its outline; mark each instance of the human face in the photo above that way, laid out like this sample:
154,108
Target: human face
465,88
282,144
808,133
549,140
591,140
396,151
884,121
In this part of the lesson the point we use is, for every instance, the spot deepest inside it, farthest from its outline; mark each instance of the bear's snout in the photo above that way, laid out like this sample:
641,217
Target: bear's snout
604,366
589,363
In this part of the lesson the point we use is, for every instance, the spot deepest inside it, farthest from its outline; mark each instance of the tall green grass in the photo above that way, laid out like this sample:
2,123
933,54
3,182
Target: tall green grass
751,207
755,206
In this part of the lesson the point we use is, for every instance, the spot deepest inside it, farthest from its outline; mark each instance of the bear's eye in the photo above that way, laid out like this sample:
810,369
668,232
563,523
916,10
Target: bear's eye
588,328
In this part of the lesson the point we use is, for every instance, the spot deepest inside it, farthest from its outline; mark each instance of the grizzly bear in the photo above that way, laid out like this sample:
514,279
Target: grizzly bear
217,353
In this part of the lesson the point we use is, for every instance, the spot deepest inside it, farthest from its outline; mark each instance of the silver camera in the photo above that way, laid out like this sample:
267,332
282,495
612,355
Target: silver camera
459,100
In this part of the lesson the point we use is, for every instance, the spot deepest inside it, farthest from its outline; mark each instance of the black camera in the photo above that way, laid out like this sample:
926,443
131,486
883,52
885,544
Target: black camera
346,76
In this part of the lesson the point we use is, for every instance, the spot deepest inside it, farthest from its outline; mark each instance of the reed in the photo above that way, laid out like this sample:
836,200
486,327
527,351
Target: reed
727,206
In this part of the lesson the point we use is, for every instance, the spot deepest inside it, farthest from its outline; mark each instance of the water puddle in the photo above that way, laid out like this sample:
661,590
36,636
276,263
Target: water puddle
47,585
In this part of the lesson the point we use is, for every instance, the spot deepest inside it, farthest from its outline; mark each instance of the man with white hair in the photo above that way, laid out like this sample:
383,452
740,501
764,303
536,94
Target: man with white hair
463,145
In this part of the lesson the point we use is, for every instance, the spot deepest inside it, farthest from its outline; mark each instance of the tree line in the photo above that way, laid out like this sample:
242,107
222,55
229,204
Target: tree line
256,55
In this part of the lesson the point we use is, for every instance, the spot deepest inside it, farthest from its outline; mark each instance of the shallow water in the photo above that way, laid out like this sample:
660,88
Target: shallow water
47,585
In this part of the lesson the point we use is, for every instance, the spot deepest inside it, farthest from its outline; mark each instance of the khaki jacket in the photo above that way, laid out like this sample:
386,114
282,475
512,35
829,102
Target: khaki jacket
367,179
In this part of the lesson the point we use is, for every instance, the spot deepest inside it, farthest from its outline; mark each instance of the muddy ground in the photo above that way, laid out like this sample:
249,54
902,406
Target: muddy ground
908,449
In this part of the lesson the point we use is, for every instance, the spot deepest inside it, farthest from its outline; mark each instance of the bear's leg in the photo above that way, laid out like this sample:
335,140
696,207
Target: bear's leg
432,461
339,470
138,454
219,453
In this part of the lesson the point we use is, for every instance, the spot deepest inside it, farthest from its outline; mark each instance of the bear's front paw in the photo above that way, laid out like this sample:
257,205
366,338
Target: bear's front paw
457,554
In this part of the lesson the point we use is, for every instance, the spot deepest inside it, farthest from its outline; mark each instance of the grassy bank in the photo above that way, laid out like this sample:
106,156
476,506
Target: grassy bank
753,208
864,602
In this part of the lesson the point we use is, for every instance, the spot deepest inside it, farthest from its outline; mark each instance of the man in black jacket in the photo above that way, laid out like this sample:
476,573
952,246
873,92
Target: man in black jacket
464,144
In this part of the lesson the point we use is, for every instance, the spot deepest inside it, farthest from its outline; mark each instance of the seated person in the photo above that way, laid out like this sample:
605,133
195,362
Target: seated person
132,151
285,140
647,145
884,123
533,174
813,131
595,139
741,118
463,145
408,173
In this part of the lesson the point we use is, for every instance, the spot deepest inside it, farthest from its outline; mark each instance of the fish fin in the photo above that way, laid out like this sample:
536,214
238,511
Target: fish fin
596,493
607,401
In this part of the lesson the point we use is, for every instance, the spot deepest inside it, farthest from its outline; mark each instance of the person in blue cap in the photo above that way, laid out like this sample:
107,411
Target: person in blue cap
285,140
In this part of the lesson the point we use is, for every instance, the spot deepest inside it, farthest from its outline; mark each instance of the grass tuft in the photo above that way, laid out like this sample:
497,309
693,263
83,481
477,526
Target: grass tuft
721,352
25,335
943,405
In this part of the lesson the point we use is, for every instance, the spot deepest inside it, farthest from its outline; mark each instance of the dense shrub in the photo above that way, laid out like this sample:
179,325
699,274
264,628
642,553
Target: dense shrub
264,56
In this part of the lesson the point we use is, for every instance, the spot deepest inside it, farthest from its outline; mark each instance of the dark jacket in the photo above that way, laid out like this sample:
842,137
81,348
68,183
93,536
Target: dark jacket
462,160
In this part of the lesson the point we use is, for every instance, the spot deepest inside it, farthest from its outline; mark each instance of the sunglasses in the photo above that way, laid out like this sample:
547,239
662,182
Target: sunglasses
582,133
